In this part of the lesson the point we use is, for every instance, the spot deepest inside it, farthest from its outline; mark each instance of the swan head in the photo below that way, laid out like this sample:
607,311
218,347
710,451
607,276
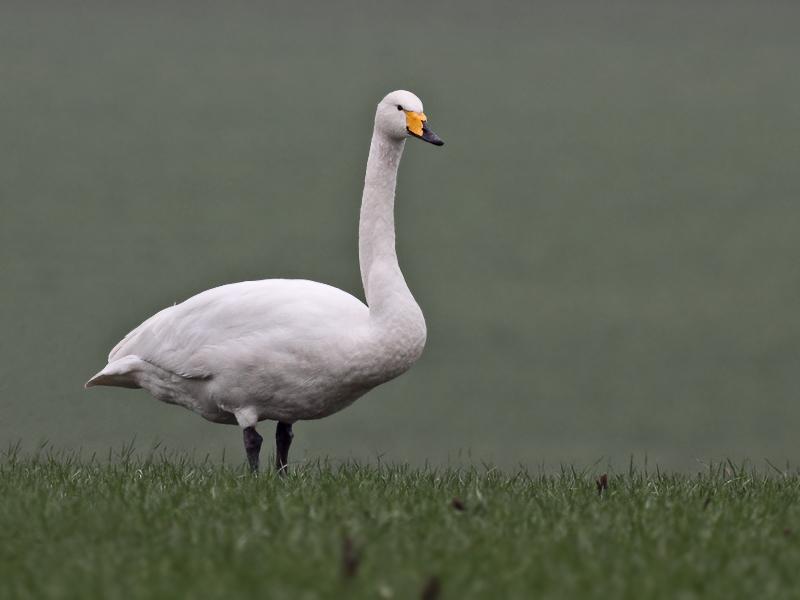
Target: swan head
400,115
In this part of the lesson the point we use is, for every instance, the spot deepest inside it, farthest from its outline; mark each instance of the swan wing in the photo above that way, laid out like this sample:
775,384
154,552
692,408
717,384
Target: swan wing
240,323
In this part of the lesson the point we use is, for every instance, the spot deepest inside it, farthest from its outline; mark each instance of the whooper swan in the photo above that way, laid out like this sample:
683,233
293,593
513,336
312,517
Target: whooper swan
290,349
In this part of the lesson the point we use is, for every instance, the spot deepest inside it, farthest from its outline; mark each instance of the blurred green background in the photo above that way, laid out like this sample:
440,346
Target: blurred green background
606,250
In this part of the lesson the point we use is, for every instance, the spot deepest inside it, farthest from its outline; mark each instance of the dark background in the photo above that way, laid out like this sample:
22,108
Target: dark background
606,250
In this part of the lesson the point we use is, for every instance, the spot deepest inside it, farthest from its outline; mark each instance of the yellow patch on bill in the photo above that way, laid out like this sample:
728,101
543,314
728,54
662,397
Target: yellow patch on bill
414,121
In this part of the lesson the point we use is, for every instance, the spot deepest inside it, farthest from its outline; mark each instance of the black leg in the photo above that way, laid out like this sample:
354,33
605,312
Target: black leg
283,439
252,445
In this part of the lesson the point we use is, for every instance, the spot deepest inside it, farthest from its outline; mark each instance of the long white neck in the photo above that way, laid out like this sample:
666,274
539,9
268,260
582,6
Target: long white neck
391,305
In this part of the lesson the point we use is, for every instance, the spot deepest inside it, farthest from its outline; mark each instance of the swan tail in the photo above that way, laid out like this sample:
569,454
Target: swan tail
122,372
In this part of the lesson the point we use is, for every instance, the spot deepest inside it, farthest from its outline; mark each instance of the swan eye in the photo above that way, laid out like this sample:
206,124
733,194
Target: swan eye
399,107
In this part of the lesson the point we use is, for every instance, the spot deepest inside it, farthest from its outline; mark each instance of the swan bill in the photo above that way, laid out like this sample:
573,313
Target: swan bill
417,125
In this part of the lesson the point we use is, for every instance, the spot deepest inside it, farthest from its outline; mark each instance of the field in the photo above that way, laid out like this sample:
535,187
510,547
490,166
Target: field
168,526
605,251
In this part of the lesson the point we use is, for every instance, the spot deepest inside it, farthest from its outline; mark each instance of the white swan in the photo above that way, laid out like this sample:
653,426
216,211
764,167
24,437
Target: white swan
283,349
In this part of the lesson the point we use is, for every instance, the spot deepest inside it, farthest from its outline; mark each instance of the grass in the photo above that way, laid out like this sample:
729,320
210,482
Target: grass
168,526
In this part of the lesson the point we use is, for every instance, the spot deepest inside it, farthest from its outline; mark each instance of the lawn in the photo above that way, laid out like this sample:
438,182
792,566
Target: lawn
171,526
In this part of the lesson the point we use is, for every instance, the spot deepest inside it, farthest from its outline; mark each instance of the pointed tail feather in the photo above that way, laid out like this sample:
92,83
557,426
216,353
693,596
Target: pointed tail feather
119,373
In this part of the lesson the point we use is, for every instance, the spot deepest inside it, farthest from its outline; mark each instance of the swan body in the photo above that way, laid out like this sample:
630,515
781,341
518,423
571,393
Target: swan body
279,349
290,349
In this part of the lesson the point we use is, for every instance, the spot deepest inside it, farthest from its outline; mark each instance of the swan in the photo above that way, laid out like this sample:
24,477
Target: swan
289,350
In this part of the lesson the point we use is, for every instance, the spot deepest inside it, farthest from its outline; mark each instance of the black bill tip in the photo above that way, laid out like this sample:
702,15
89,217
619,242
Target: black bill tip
428,136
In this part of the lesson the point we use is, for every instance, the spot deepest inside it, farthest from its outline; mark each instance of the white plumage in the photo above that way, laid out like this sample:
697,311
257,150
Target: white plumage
290,350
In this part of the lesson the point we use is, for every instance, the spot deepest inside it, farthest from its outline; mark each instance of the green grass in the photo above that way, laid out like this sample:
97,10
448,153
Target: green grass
173,527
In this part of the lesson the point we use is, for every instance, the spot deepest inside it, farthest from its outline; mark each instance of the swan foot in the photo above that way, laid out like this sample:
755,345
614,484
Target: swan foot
252,445
283,439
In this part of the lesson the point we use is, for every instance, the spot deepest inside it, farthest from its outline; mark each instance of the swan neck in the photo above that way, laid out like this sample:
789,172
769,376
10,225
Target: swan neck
397,321
376,235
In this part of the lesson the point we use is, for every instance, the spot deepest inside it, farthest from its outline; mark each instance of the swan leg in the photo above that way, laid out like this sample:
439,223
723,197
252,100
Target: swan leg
252,445
283,439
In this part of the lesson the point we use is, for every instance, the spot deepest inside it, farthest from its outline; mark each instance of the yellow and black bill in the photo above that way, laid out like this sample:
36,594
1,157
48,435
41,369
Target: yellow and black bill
417,125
